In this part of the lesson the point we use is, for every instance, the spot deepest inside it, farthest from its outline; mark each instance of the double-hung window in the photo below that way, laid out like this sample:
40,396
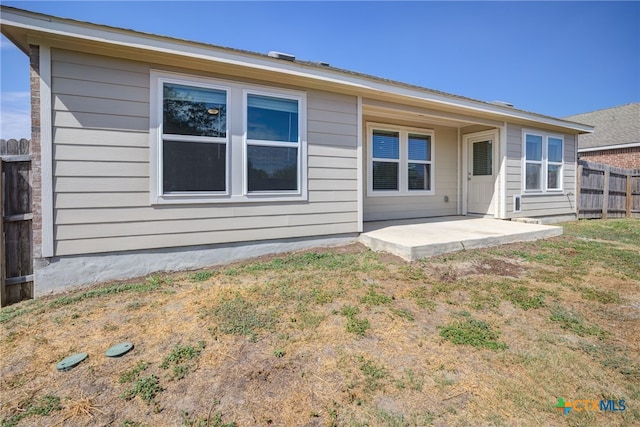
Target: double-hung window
419,162
194,138
215,141
400,161
543,162
386,160
272,143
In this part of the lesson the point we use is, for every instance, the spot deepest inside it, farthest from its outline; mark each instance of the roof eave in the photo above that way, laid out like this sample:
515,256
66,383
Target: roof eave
609,147
13,19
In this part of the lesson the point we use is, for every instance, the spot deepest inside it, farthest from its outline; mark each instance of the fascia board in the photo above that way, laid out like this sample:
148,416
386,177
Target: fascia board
609,147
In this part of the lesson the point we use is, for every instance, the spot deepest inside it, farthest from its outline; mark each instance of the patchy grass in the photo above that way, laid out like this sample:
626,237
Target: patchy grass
240,316
178,359
343,337
41,407
574,322
354,325
475,333
133,373
146,387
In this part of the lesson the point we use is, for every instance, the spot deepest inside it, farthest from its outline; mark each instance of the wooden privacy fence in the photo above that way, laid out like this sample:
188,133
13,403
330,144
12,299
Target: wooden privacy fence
16,255
607,192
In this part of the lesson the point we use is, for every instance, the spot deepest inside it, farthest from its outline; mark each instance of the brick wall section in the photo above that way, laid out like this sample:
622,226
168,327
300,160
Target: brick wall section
36,171
625,158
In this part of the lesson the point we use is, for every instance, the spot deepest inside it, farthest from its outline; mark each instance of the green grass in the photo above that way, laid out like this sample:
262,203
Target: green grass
321,296
42,407
410,380
214,420
391,420
613,357
201,276
181,354
574,322
372,372
374,298
402,313
133,373
575,257
521,296
355,325
240,316
615,230
147,388
603,296
13,311
178,358
475,333
349,311
152,284
422,298
324,261
306,318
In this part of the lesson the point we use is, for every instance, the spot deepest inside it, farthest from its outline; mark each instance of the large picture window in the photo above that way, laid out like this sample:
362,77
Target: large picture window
400,161
220,141
543,162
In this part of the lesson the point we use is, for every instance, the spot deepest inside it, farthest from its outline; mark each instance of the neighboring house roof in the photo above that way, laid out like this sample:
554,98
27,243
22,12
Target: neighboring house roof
19,25
617,127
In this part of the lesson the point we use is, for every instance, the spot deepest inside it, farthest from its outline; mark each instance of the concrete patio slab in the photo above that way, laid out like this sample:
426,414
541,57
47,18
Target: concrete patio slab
420,238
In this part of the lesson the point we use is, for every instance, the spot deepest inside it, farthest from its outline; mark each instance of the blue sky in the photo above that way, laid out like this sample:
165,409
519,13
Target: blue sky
553,58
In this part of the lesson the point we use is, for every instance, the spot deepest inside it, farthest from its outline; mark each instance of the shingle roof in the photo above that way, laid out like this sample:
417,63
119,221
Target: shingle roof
613,126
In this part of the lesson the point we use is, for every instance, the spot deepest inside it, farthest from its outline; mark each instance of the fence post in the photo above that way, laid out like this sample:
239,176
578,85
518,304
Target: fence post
628,199
578,188
3,275
605,193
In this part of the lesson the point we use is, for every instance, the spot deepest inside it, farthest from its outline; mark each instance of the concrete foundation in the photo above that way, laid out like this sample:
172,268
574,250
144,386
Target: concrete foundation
62,273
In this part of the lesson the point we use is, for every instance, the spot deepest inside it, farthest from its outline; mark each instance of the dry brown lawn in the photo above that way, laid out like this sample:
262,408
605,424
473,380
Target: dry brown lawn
343,336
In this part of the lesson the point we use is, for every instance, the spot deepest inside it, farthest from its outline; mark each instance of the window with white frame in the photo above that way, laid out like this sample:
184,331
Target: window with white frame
273,155
222,141
543,162
400,161
194,138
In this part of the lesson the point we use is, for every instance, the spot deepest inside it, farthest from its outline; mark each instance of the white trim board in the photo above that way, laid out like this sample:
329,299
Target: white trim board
46,152
609,147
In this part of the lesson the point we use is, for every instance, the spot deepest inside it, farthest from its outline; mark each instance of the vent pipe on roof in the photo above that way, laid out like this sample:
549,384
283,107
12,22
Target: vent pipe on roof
281,55
502,103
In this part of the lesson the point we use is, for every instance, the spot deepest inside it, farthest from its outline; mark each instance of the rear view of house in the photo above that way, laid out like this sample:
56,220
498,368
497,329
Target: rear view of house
152,153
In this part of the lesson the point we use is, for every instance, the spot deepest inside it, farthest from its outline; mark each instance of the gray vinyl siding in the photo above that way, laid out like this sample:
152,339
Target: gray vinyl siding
445,182
101,169
539,205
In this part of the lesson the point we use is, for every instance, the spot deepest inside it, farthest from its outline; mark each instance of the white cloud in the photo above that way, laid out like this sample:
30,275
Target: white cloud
11,97
15,115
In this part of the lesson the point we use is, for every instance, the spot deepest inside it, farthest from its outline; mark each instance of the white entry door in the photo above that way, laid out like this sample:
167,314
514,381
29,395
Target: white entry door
481,150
